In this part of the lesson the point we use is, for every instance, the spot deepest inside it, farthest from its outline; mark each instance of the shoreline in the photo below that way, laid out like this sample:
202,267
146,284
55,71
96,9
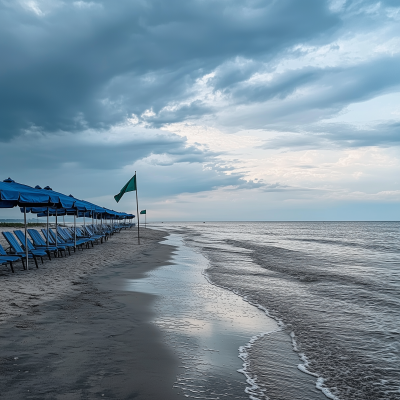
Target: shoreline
79,338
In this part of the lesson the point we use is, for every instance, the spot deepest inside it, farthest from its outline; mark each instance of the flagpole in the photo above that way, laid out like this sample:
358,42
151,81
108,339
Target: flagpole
137,211
56,229
75,230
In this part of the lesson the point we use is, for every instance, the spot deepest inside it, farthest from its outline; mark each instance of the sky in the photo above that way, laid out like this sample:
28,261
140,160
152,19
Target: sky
228,110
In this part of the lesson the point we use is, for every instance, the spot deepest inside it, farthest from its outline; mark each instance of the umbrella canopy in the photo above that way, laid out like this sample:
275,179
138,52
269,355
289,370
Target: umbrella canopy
68,205
14,194
40,201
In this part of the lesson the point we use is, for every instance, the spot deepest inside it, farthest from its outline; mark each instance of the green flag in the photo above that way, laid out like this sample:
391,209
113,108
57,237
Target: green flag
129,187
143,212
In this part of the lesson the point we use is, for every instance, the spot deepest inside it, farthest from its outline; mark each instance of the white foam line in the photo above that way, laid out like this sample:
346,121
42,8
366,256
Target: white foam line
304,368
243,354
253,390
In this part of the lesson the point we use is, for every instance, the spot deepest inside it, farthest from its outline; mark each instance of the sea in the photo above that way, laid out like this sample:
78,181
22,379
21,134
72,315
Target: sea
332,290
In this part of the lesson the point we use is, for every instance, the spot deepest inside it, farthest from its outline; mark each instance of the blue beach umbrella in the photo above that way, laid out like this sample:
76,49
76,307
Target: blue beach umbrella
13,194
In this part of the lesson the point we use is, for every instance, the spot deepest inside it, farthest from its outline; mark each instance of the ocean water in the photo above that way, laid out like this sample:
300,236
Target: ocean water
334,288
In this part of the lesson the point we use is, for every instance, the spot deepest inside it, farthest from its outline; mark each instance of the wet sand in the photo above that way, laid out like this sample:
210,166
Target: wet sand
64,335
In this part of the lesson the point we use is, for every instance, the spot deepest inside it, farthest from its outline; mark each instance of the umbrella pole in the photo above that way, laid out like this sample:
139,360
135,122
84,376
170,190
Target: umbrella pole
75,231
56,227
47,237
26,240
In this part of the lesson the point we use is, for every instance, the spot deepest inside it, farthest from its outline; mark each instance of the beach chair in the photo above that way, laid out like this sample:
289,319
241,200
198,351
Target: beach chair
31,248
69,233
61,248
92,235
98,232
68,237
98,229
18,250
117,228
7,258
108,229
21,237
81,235
60,241
41,244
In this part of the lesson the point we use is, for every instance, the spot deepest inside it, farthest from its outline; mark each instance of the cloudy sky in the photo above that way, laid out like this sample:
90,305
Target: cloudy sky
227,110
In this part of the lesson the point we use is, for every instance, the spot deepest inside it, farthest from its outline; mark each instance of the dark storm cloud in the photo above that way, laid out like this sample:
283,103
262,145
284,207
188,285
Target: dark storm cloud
384,134
280,87
93,167
90,65
339,135
297,98
328,88
88,151
193,178
234,72
182,113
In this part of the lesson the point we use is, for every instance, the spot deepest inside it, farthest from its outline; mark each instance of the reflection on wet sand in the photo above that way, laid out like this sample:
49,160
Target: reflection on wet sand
204,324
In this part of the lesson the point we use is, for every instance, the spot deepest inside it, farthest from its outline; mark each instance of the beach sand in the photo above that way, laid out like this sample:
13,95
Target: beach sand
64,335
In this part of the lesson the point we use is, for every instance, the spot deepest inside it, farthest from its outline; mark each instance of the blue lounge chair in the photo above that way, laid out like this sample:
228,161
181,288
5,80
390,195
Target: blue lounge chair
84,232
69,239
21,237
41,244
7,258
81,235
61,248
18,250
93,235
60,241
101,231
97,230
70,233
31,249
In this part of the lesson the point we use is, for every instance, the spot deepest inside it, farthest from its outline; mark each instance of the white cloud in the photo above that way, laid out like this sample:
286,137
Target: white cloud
86,4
